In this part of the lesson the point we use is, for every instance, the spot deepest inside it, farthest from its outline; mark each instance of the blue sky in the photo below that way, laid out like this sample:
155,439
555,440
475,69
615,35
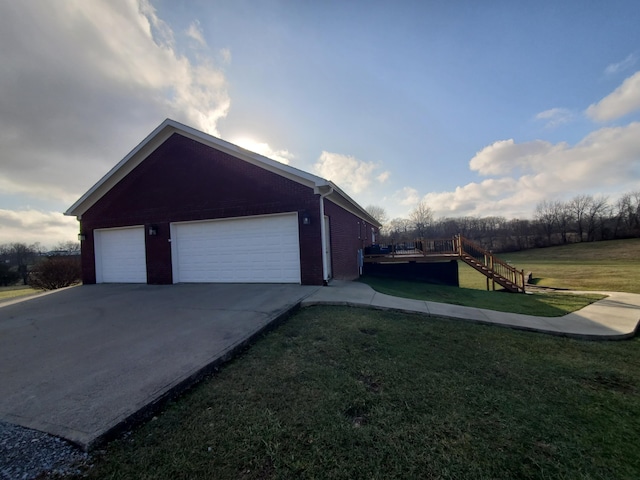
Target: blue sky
479,108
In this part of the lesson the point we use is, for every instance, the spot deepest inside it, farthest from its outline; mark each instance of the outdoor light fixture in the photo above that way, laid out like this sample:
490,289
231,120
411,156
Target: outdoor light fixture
153,230
306,219
82,237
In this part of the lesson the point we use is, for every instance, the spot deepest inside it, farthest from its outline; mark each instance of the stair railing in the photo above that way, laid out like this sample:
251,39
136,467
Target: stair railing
492,263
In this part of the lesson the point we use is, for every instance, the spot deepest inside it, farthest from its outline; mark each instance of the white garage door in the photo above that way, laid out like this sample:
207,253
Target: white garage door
120,255
243,250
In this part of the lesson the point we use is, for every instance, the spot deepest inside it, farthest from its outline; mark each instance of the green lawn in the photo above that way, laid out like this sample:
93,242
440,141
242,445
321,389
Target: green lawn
608,266
8,293
612,265
555,304
342,393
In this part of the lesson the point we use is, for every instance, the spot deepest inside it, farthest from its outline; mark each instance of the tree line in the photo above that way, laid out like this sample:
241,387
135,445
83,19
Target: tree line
584,218
33,265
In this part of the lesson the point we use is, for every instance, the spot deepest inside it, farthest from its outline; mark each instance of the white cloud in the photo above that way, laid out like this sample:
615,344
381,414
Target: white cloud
31,226
195,33
606,161
622,101
555,117
83,83
263,148
407,196
383,177
349,173
505,156
625,64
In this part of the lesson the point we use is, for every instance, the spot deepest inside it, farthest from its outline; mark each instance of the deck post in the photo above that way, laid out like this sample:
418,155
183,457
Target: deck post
493,278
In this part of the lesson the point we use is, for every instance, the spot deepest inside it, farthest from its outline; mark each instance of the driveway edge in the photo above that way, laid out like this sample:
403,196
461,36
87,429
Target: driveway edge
186,384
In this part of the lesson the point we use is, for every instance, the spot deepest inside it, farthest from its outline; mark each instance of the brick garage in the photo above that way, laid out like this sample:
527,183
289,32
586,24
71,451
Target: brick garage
185,206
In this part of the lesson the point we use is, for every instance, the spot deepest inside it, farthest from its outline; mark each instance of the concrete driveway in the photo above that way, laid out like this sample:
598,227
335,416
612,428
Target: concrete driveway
84,362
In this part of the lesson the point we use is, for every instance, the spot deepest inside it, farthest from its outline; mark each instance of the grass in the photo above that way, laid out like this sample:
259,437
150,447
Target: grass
605,266
612,265
7,293
540,304
339,392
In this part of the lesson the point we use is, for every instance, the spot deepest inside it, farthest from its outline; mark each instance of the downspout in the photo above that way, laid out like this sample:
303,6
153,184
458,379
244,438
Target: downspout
323,236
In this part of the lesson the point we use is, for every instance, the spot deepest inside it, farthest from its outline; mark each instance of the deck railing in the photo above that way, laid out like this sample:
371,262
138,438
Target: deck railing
420,246
495,269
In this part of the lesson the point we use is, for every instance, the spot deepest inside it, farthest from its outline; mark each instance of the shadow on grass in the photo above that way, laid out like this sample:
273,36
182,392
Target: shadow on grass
553,304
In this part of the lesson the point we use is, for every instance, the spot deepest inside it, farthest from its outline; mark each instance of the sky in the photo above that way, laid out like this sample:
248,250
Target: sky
477,108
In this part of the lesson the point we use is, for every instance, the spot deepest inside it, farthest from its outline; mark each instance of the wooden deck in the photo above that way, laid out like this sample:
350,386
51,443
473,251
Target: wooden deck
410,257
455,248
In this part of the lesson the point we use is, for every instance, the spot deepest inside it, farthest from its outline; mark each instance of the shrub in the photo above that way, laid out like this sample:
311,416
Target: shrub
56,272
7,276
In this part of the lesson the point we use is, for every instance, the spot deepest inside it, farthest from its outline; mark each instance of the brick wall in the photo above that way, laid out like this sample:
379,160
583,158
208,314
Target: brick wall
184,180
348,234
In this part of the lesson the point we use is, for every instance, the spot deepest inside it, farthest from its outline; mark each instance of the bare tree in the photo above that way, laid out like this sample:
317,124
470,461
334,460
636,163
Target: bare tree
522,232
546,215
492,229
448,227
565,219
379,213
595,214
579,205
466,226
21,256
627,214
399,230
421,217
71,248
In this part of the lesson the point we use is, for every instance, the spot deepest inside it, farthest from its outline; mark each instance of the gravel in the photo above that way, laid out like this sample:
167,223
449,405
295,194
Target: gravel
28,454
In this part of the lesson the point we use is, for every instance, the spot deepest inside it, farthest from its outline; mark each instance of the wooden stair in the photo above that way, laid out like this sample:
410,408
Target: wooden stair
424,250
496,270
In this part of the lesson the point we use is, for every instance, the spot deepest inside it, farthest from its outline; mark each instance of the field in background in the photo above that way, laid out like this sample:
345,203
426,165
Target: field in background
611,265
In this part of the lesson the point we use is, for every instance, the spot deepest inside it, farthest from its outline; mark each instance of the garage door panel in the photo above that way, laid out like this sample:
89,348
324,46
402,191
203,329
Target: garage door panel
120,255
247,250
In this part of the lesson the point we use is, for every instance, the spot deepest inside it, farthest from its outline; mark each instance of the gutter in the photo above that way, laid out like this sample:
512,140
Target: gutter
323,237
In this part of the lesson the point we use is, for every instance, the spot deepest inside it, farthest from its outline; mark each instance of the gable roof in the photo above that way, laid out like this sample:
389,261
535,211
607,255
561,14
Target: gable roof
167,128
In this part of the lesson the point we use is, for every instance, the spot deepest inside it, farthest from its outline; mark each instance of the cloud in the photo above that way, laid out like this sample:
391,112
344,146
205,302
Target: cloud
625,64
606,161
82,84
622,101
195,33
348,172
505,156
31,226
282,156
555,117
407,196
383,177
225,53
